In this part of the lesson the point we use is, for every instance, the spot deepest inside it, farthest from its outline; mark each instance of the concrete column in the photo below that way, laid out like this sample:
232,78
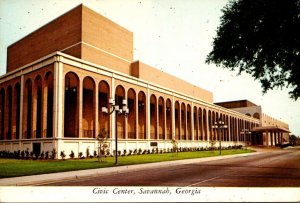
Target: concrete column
165,119
173,117
207,126
34,109
80,103
180,122
186,123
58,100
272,139
113,115
96,95
14,115
157,119
192,122
200,124
24,96
6,112
148,114
136,115
125,125
21,107
44,108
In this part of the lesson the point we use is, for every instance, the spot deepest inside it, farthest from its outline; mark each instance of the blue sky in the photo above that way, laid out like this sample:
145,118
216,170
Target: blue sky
173,36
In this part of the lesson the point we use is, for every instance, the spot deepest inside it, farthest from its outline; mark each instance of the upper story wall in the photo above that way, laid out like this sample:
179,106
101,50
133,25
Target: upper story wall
267,120
80,32
106,35
153,75
57,35
236,104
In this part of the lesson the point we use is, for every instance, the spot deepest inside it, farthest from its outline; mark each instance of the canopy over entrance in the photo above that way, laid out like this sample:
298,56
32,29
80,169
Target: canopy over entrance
270,129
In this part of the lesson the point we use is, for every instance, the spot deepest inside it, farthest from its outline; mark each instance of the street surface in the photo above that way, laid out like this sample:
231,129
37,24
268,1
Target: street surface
273,168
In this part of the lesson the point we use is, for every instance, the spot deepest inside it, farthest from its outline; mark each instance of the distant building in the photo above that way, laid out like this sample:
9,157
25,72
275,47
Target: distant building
60,77
270,131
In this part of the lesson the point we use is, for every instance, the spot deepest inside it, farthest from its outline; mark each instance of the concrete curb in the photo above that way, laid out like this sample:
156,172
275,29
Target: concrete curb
80,174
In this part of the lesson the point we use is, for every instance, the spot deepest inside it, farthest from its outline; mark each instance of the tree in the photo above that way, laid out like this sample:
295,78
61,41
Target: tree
261,38
294,140
102,143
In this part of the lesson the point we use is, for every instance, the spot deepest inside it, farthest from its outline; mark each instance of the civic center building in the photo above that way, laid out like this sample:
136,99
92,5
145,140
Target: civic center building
59,78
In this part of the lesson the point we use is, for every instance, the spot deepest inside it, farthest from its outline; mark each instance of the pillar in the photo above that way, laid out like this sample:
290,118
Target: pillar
192,122
125,125
58,97
165,118
207,126
113,116
21,107
96,95
148,113
173,117
272,135
136,115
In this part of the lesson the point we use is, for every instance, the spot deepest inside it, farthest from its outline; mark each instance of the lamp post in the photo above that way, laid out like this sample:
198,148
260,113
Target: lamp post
219,125
113,107
245,132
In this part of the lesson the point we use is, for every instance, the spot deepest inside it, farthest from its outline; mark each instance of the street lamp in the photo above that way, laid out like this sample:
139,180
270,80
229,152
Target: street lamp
219,125
113,107
245,132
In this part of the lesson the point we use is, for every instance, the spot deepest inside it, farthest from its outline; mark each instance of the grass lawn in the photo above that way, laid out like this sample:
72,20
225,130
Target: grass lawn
18,167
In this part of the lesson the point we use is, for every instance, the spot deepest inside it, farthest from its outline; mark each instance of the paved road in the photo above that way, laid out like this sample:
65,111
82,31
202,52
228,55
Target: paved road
271,169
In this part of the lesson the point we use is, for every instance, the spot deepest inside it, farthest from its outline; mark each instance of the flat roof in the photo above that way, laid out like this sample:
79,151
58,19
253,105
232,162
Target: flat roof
270,129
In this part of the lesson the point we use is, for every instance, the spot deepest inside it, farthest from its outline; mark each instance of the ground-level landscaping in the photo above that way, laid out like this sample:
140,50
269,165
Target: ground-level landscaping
23,167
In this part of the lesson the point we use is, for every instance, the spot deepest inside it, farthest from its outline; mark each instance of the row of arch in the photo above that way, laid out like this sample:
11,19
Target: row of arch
255,115
83,117
37,101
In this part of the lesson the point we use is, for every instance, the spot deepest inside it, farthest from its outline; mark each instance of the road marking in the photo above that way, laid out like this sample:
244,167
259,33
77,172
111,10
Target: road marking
203,181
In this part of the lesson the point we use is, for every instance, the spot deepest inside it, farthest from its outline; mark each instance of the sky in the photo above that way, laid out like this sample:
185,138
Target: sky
174,36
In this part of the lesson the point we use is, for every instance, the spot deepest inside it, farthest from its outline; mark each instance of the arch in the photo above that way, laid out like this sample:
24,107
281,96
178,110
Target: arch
103,97
169,119
142,115
204,116
226,137
196,123
256,115
200,124
161,118
131,102
27,111
248,114
209,134
183,122
71,114
2,112
213,130
48,95
153,117
37,107
177,120
235,129
9,115
188,123
88,107
120,125
16,116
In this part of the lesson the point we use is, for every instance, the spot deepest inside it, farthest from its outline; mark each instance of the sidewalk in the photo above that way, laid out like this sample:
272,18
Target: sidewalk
72,175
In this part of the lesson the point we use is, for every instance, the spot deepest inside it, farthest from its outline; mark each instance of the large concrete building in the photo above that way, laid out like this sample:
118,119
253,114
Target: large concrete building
269,132
61,76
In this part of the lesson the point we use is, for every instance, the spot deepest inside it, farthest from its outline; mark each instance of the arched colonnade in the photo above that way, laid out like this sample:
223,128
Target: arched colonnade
168,117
